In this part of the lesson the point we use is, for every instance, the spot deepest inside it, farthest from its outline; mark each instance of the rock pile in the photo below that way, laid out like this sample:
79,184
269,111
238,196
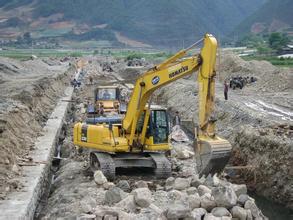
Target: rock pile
191,198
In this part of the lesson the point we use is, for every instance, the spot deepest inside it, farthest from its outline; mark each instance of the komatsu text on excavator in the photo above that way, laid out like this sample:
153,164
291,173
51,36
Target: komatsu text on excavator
141,137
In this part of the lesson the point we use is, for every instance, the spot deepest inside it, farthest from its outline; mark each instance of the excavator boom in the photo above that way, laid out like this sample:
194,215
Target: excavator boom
212,152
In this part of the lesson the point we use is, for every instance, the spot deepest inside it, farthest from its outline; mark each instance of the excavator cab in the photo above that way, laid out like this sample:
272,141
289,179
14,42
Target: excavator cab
158,125
159,128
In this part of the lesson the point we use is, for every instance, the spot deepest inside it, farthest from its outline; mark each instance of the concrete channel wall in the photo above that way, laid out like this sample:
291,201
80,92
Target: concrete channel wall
23,204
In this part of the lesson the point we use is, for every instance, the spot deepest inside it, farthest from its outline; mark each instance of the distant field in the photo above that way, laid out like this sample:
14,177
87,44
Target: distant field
282,62
27,53
118,53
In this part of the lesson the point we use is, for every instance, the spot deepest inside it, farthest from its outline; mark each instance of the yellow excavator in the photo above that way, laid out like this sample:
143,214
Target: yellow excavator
141,137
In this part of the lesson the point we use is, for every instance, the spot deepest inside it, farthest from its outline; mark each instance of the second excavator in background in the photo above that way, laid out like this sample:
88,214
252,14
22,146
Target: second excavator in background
141,137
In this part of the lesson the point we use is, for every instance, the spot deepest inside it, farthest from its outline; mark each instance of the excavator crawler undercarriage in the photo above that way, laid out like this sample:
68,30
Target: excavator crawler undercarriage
108,163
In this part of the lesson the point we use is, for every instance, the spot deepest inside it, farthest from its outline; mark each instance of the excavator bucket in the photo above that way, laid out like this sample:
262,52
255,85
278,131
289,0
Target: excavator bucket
212,155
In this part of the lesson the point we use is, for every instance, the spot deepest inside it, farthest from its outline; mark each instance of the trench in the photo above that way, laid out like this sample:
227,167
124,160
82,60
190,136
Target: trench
271,209
55,165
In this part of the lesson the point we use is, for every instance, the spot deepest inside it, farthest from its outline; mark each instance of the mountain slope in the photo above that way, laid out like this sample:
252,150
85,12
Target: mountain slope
164,22
272,16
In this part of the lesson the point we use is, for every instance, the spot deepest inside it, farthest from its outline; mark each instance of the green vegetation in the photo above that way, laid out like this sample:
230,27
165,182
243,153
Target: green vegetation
266,43
25,54
164,22
282,62
272,11
130,55
278,40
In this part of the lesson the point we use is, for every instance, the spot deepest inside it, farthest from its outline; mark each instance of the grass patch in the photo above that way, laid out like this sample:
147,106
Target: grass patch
27,53
283,62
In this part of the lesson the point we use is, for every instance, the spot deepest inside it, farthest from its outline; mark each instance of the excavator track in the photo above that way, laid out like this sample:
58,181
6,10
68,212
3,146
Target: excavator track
163,165
212,157
104,162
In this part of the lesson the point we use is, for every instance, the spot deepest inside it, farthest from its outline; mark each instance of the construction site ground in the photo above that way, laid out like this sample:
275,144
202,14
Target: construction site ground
257,120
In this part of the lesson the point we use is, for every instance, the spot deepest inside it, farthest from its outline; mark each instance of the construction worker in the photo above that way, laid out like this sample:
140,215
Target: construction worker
90,108
106,95
176,120
226,88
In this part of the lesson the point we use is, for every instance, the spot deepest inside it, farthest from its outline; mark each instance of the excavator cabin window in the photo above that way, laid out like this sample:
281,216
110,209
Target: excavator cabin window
157,126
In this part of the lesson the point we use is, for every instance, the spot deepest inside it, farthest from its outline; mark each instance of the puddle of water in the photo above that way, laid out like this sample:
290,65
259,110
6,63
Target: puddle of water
272,210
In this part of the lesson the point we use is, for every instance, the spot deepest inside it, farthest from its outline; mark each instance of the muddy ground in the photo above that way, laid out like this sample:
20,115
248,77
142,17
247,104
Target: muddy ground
29,92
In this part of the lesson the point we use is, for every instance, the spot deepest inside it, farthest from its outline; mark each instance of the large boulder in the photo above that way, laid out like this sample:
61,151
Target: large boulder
104,212
192,190
142,197
198,213
108,185
127,204
255,211
114,195
220,212
194,201
181,183
169,183
152,212
177,211
239,189
141,184
175,195
178,135
239,213
242,199
210,216
207,202
203,190
99,178
124,185
196,181
224,196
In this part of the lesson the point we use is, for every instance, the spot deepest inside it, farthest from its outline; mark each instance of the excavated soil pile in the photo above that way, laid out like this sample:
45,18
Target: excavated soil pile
29,91
270,77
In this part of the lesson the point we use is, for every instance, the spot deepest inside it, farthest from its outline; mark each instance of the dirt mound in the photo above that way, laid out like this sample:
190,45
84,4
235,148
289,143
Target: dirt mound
269,77
6,67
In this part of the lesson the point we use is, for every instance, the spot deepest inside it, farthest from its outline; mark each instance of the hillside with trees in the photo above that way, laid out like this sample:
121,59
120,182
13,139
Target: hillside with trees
164,22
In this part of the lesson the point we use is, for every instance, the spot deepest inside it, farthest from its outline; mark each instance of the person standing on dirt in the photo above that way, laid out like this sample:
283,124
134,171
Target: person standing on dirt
74,83
226,88
91,80
176,120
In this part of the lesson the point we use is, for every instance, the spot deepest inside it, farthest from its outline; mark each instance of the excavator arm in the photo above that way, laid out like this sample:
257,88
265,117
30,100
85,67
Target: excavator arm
212,152
171,70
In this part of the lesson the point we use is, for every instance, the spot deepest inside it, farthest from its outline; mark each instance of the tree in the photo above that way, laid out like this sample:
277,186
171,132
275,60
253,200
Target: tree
278,40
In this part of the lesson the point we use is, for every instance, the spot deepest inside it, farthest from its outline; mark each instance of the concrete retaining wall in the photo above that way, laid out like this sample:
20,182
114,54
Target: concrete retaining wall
22,204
